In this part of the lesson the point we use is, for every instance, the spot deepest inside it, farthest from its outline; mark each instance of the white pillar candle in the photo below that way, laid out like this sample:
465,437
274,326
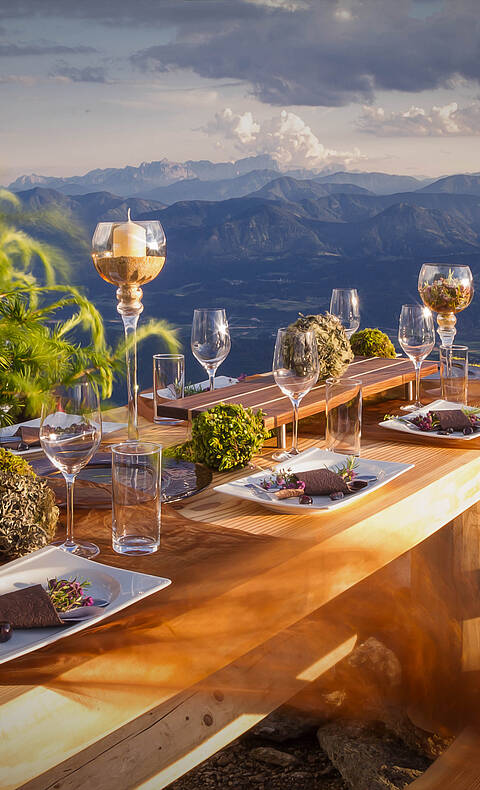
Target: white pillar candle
129,239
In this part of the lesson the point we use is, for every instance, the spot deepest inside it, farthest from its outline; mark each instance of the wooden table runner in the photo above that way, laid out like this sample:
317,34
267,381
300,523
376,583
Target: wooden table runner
261,392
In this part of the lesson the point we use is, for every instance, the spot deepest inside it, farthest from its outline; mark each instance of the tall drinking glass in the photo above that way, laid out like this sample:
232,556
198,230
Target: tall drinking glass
344,304
136,497
168,382
295,370
70,433
210,340
416,335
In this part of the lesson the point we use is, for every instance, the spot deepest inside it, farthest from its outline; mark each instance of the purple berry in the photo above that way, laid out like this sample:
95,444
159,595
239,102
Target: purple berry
336,495
305,499
5,632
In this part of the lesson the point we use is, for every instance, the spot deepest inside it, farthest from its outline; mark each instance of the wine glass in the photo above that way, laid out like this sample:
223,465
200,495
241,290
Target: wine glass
70,432
295,370
344,304
416,335
210,340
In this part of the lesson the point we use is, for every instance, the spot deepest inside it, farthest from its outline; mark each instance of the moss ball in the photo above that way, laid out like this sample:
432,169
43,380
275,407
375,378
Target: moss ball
372,343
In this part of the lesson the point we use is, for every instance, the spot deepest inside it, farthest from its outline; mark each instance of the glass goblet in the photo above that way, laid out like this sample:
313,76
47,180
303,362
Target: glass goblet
210,340
416,335
446,289
70,433
344,304
295,370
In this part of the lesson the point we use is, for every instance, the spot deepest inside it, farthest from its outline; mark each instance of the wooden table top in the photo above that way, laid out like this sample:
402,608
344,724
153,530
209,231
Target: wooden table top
241,576
261,392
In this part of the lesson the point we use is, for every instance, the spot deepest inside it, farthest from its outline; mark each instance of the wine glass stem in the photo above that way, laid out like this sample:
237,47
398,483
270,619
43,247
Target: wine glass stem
130,325
418,366
294,449
211,378
70,481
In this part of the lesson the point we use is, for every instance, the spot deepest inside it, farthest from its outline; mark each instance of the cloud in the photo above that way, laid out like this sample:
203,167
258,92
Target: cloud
19,79
295,52
96,74
42,48
446,121
286,137
326,52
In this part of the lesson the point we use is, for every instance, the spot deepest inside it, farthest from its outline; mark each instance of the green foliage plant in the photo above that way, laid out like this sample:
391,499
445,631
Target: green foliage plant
227,436
28,513
334,351
14,463
40,322
372,343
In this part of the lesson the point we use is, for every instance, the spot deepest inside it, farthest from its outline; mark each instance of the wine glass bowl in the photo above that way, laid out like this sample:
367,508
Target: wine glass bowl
446,290
345,306
70,433
295,370
210,340
416,336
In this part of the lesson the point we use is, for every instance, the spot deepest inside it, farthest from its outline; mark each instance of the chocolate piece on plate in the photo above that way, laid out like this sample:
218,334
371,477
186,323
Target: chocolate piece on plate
320,482
29,607
453,418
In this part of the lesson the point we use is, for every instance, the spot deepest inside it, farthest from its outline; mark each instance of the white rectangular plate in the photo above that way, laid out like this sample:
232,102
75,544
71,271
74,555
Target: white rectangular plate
315,458
9,430
403,425
220,383
120,587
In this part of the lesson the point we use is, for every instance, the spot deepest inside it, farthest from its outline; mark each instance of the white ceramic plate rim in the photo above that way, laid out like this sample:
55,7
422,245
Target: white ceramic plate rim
311,459
35,568
439,405
9,430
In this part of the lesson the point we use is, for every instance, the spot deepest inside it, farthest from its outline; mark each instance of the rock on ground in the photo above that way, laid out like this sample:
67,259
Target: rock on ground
368,757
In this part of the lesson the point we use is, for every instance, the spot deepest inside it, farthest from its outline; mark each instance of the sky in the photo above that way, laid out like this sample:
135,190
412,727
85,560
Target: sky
385,85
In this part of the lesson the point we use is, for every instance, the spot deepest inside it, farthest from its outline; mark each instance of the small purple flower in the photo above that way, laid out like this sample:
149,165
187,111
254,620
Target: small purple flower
280,481
88,601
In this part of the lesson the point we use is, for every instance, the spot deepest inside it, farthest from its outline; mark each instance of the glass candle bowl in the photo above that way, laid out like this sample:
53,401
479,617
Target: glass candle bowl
447,290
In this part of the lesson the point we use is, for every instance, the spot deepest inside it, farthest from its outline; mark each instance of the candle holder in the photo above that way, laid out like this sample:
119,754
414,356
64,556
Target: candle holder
447,290
128,255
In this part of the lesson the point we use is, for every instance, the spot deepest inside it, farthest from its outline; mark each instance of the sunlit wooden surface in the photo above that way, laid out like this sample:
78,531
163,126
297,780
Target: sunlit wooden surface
255,612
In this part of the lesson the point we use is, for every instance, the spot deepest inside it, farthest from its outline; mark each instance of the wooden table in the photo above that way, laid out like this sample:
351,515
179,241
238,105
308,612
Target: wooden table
261,605
261,392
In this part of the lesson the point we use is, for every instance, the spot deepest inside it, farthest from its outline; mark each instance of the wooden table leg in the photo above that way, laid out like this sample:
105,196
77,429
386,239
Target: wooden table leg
445,628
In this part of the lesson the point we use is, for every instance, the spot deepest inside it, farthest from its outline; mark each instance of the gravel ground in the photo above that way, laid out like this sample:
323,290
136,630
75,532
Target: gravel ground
242,766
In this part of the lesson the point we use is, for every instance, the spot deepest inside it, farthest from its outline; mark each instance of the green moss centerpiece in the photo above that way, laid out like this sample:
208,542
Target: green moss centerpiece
372,343
227,436
334,350
28,513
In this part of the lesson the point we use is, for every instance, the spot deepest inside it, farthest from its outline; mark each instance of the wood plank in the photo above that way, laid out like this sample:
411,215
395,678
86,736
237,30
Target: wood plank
457,769
377,376
191,727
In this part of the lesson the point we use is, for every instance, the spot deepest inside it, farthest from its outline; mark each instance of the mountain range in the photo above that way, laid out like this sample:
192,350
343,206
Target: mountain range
282,247
204,180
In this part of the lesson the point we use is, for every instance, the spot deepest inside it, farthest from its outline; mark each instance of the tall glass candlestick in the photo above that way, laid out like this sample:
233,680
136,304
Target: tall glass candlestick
446,289
128,255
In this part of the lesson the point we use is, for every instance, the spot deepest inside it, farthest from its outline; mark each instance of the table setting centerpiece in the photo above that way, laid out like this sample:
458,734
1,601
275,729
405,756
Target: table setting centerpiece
129,255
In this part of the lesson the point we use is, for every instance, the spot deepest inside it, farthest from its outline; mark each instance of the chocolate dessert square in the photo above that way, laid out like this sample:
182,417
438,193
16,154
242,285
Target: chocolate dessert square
29,607
320,482
453,418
